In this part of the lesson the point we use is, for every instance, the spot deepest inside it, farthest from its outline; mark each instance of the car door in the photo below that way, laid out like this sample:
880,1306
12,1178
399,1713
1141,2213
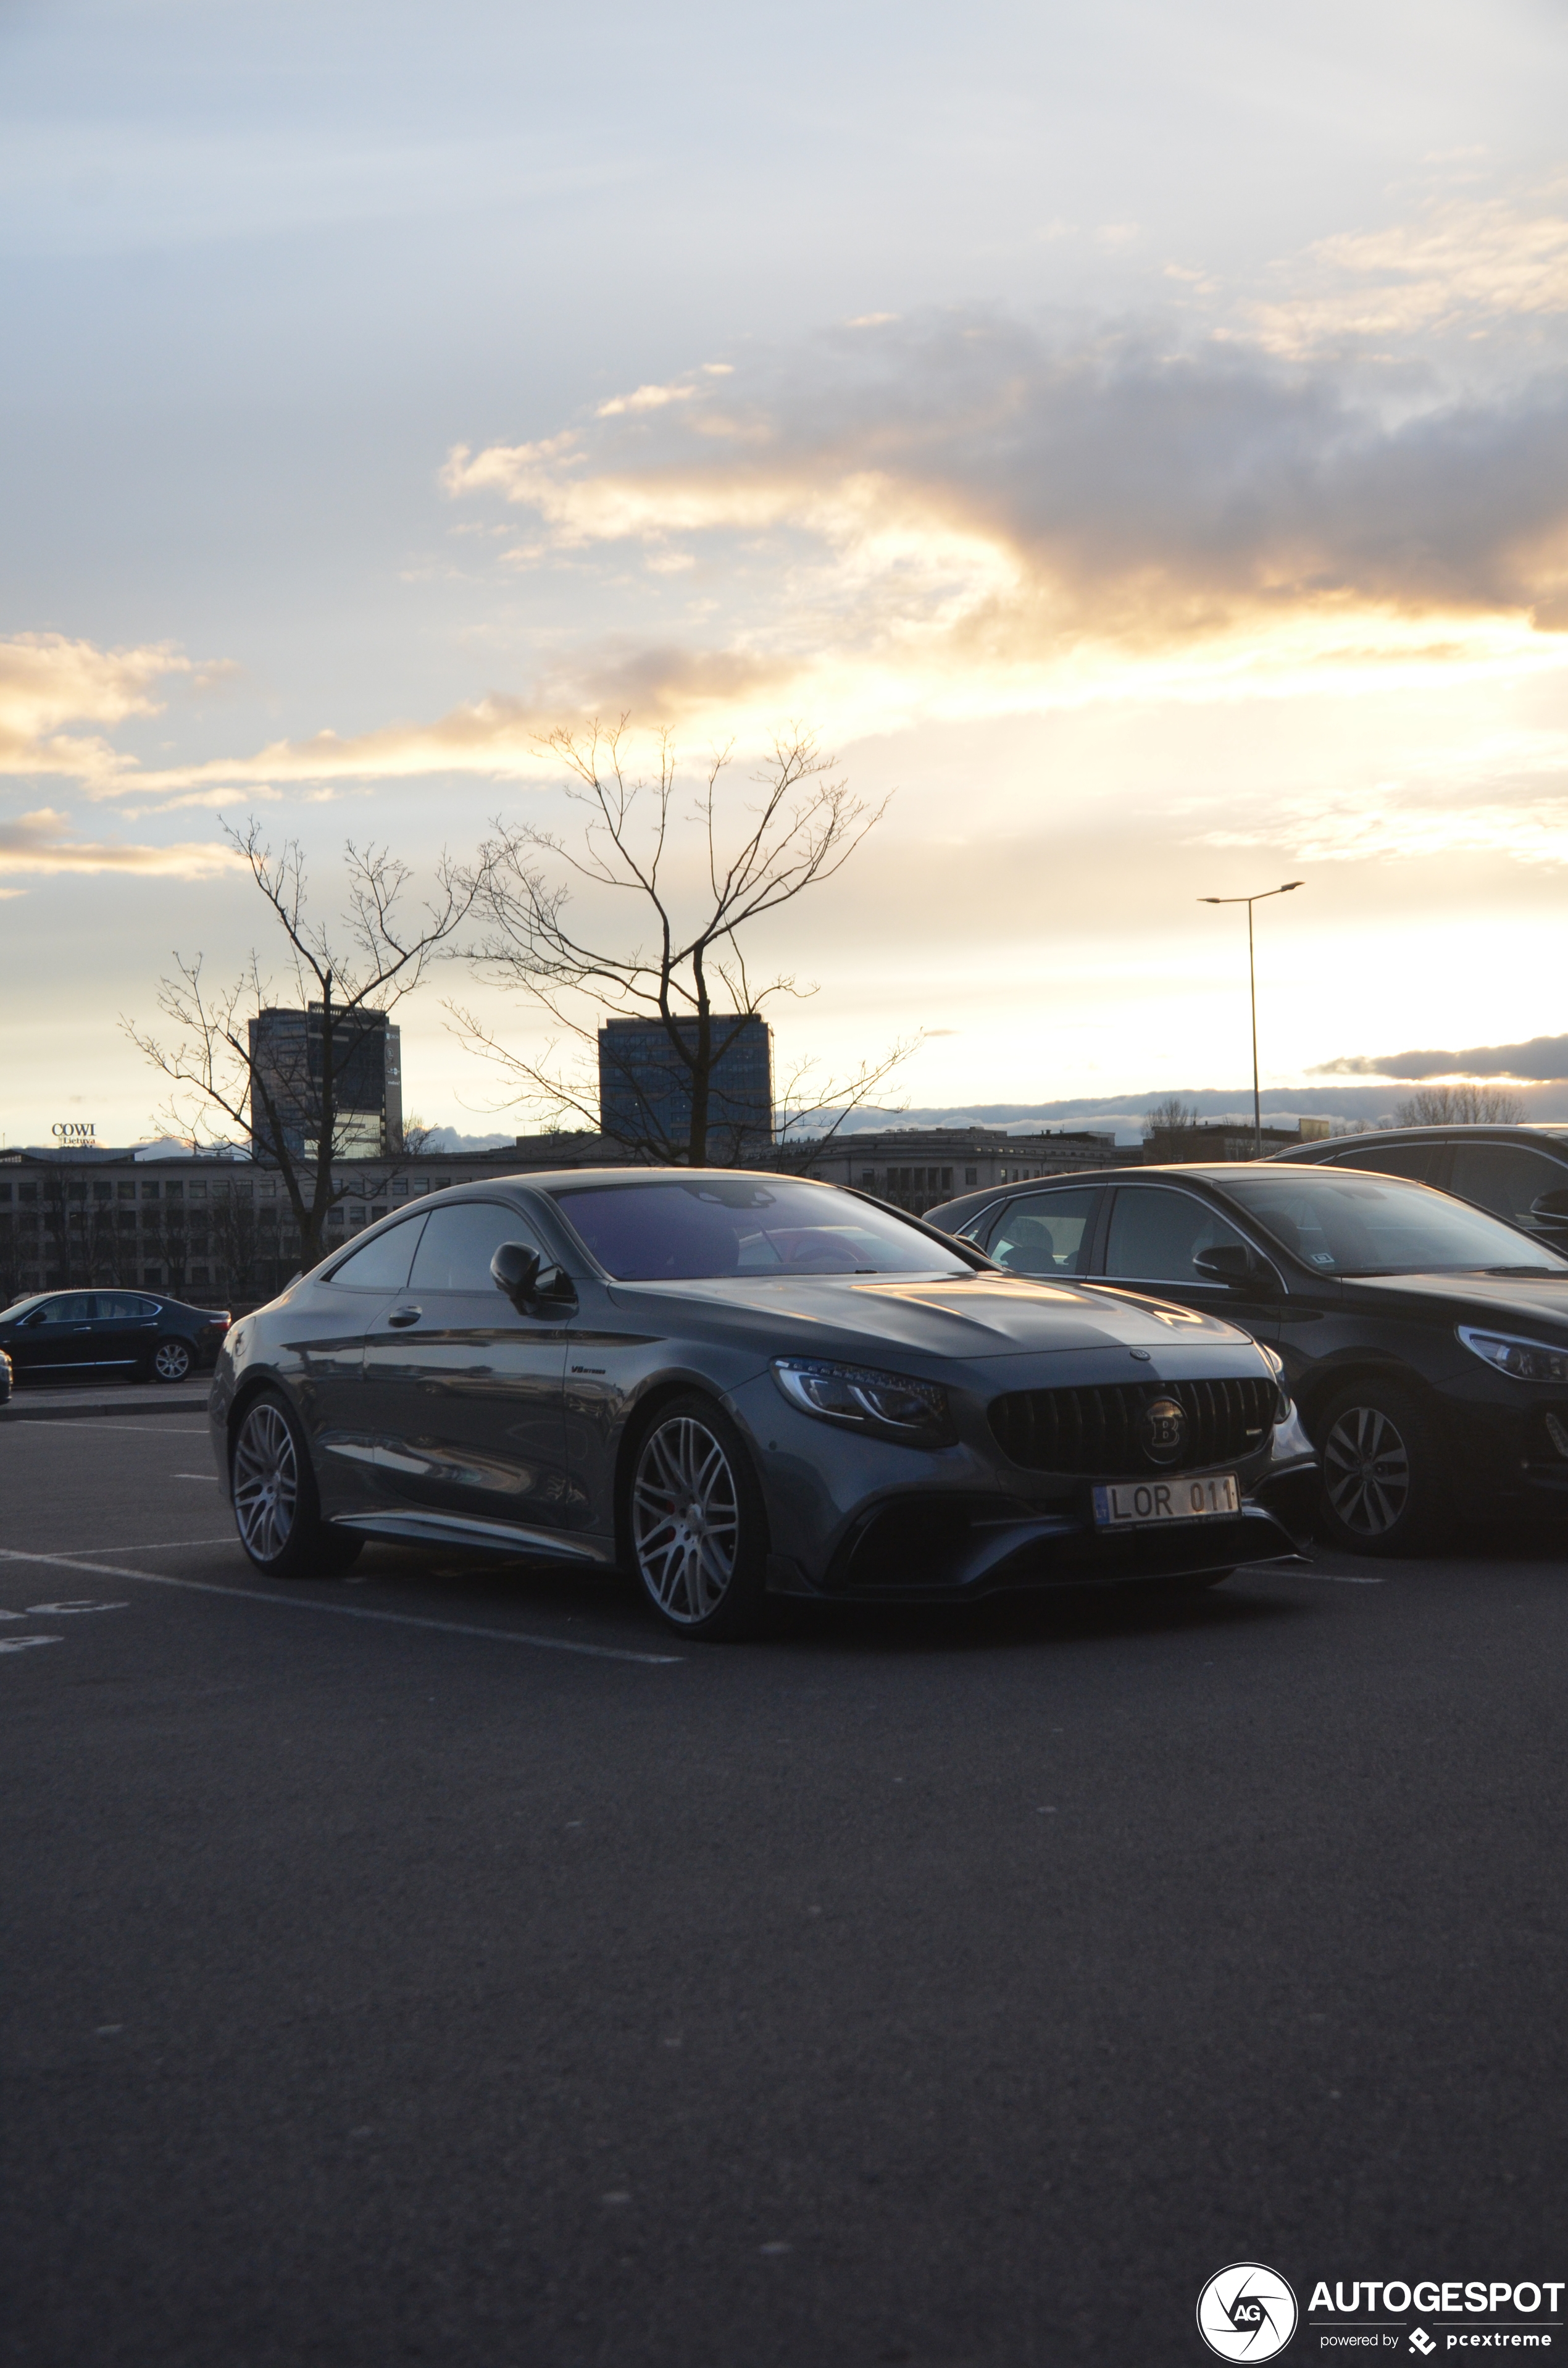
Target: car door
344,1305
59,1338
1048,1235
465,1395
1154,1231
1507,1178
124,1329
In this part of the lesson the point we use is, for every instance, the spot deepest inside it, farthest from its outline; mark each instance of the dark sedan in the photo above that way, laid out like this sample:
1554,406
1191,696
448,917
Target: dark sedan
85,1336
736,1385
1426,1342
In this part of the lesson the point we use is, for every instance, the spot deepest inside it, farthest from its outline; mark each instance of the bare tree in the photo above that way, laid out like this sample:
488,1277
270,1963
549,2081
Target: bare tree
1459,1106
1172,1117
698,878
230,1079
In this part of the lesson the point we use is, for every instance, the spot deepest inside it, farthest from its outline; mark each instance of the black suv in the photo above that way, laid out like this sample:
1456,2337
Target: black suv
1425,1342
1520,1173
83,1335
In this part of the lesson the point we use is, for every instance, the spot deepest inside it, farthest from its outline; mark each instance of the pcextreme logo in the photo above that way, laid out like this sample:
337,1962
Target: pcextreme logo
1246,2312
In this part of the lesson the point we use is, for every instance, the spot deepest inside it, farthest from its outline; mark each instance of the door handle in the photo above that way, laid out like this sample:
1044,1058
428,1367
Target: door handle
404,1317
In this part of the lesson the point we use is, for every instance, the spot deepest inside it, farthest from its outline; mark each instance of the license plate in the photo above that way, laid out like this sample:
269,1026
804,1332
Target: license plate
1140,1504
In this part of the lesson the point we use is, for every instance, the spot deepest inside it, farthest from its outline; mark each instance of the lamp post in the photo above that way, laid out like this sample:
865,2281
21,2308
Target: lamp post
1262,897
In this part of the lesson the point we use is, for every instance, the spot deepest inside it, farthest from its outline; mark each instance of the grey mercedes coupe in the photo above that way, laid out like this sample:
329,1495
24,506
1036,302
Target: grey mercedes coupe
739,1384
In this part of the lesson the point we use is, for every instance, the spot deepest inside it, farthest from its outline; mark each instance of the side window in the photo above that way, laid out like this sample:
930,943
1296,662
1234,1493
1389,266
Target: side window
1415,1160
1155,1234
459,1241
77,1307
381,1264
1045,1233
1505,1178
121,1308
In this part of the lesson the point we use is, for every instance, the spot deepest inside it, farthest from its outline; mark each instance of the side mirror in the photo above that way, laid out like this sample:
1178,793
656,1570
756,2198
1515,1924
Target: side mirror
1229,1263
515,1270
533,1290
1552,1208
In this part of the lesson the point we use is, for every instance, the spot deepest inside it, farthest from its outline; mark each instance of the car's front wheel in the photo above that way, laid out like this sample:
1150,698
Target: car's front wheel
1383,1478
170,1360
698,1532
276,1510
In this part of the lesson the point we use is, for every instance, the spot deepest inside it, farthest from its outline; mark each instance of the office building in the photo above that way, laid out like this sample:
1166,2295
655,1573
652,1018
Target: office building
645,1086
288,1062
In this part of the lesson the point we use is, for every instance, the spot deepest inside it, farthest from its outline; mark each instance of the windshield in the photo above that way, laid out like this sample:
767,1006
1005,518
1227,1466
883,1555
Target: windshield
1355,1225
720,1225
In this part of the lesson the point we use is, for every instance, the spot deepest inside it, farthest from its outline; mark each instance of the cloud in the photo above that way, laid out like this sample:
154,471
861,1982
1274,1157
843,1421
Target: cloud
47,682
43,842
1543,1060
1466,262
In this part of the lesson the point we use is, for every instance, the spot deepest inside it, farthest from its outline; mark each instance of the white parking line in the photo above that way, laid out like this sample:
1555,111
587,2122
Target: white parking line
346,1611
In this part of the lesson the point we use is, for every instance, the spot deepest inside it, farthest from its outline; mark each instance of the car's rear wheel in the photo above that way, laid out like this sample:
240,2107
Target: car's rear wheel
170,1360
1383,1488
276,1508
695,1522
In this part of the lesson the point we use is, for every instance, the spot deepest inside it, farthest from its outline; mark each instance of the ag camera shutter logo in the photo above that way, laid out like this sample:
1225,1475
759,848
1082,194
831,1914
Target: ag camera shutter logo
1246,2312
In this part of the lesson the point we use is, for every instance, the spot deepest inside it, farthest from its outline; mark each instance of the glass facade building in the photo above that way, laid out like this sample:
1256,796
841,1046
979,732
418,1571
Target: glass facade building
645,1086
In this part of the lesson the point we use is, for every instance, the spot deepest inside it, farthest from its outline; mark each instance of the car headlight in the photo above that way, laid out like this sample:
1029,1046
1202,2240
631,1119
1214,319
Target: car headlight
862,1399
1277,1365
1522,1361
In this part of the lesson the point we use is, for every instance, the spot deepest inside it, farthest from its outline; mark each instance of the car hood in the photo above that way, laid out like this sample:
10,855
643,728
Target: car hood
1517,1298
994,1315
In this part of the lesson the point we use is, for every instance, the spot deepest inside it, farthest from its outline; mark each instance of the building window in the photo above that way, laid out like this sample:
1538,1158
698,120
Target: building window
971,1175
400,1189
199,1274
946,1180
171,1191
150,1191
125,1191
103,1191
154,1277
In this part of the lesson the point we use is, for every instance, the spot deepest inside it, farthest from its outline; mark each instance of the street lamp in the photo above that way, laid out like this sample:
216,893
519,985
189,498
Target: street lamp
1262,897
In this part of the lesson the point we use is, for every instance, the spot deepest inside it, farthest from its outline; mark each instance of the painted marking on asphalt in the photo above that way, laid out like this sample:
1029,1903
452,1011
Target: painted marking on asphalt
26,1644
210,1477
347,1610
60,1611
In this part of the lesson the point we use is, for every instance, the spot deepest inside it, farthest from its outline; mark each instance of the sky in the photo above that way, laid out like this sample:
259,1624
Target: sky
1135,441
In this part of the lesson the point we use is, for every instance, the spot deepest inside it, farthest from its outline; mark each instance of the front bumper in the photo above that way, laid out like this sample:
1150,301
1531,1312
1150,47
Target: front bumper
854,1517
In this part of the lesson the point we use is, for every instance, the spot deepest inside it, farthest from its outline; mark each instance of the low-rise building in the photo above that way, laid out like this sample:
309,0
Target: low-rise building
917,1168
211,1226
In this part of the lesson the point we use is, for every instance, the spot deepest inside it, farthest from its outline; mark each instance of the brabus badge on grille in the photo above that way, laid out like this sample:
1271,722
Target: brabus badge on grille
1163,1428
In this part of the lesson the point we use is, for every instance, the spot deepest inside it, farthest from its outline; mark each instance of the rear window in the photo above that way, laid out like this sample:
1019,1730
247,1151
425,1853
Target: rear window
710,1226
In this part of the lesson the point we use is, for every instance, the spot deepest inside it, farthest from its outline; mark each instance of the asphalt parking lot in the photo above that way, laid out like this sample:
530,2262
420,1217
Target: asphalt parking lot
445,1967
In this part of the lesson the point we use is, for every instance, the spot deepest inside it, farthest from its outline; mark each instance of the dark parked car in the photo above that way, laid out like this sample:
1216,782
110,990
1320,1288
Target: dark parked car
1425,1342
77,1336
738,1384
1520,1173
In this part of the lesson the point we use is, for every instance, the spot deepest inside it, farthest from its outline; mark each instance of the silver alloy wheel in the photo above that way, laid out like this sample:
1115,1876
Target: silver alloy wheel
686,1519
267,1481
172,1360
1366,1470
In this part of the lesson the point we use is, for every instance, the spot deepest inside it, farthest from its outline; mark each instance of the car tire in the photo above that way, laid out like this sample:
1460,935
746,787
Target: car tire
695,1528
276,1508
1384,1490
172,1360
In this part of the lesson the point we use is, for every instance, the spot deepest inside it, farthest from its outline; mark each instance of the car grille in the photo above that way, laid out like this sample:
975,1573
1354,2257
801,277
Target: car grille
1096,1430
